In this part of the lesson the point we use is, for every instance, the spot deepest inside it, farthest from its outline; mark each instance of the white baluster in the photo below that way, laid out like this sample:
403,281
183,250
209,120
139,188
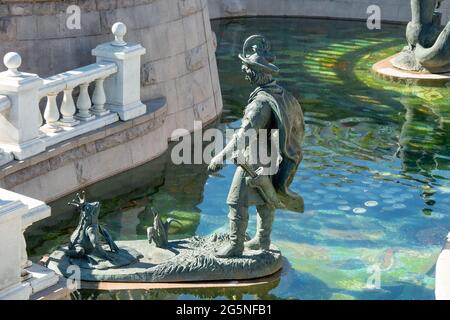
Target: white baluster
68,109
51,114
40,118
84,104
20,130
122,90
99,98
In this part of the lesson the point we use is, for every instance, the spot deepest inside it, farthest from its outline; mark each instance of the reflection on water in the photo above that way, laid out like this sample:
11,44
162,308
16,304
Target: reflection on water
261,291
375,178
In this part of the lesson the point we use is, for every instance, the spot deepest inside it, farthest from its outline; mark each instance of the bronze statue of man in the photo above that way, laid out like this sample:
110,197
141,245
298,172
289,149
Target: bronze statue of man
273,108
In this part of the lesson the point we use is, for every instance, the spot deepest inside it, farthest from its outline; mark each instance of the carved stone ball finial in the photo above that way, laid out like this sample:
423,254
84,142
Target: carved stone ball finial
119,30
12,61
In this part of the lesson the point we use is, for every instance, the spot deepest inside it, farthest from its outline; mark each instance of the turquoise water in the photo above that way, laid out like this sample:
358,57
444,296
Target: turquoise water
375,177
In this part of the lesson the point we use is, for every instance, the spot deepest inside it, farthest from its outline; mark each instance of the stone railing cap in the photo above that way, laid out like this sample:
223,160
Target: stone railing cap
12,61
119,30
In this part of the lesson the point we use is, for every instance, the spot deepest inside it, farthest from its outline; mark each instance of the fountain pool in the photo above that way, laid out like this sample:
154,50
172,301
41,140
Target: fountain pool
375,177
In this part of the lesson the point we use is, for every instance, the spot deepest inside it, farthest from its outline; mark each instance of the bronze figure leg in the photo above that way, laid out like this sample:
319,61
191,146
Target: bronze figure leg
265,217
238,216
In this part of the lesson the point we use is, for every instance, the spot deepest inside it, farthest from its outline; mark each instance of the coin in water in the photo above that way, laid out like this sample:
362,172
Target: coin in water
371,203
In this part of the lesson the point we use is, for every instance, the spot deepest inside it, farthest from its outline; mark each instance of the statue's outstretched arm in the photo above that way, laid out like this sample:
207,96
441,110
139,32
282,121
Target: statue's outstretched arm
256,117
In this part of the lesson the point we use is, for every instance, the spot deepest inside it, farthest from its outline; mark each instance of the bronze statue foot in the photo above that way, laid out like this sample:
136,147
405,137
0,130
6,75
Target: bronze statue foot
257,244
230,250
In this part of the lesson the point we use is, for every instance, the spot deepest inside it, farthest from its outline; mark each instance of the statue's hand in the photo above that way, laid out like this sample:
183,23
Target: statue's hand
216,164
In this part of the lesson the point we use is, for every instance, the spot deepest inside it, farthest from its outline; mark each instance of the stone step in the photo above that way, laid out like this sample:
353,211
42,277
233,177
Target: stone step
59,291
41,278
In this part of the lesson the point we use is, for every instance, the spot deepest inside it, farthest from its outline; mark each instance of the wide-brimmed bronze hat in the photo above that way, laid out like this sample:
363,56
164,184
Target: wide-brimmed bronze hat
260,59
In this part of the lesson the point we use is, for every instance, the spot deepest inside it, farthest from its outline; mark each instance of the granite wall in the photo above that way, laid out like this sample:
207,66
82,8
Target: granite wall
391,10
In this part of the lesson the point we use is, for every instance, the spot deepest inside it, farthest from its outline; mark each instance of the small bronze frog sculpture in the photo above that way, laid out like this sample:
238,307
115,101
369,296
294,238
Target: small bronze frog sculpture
86,239
159,232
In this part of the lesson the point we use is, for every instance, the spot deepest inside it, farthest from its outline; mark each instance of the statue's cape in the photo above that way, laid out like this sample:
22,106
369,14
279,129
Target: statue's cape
290,123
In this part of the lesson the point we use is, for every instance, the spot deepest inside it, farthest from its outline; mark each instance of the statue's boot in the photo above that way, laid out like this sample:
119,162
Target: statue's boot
238,225
261,241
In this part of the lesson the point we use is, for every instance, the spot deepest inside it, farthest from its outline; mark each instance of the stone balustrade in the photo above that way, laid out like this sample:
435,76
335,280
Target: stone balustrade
72,117
66,82
108,90
5,104
19,278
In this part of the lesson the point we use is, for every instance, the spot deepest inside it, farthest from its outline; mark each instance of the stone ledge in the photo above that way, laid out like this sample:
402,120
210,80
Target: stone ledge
59,291
41,278
386,70
67,133
19,291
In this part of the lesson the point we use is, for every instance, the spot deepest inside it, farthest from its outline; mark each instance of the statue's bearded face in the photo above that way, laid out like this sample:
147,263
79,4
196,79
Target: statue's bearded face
256,77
